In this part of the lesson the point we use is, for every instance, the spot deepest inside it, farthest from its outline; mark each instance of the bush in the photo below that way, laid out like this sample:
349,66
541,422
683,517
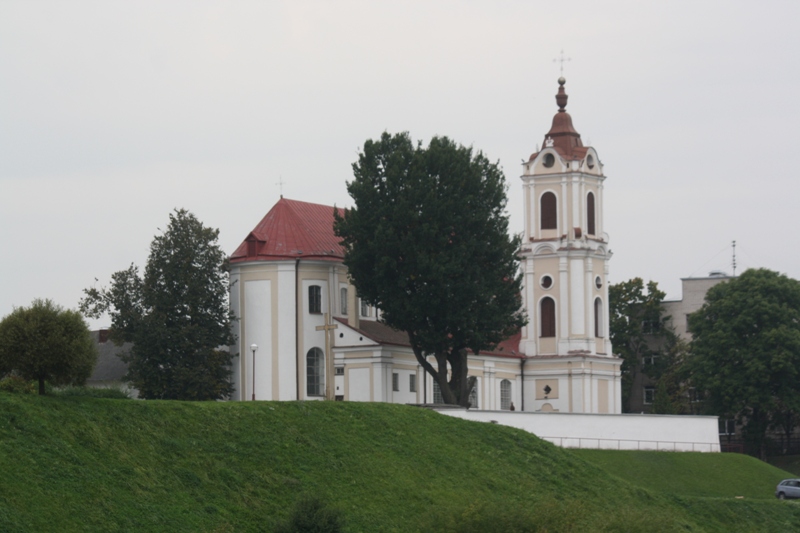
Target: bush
17,385
312,515
116,393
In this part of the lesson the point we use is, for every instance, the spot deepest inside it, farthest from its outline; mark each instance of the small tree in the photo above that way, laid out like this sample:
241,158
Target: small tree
638,330
428,244
745,352
45,342
176,315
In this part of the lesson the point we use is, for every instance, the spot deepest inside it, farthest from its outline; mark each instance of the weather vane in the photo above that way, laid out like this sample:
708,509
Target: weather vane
562,60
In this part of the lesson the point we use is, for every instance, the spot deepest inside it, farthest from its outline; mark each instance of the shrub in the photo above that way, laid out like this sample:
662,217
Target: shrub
116,393
17,385
312,515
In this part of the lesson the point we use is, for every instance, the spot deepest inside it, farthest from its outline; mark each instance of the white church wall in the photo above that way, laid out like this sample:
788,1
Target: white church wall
608,431
358,384
286,359
236,350
258,330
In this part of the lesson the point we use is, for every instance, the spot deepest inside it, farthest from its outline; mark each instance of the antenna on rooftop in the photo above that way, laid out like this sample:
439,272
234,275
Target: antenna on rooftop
734,258
280,184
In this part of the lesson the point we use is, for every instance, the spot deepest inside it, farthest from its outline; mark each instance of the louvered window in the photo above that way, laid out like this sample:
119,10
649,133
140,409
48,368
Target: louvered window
548,315
590,214
549,211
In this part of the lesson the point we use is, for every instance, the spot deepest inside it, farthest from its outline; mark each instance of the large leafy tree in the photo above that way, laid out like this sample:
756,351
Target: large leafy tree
745,352
638,332
47,343
428,243
176,314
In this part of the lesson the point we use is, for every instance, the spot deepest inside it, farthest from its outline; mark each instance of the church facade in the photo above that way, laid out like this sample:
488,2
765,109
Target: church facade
303,334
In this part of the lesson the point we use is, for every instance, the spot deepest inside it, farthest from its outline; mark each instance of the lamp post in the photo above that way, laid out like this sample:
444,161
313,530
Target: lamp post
254,347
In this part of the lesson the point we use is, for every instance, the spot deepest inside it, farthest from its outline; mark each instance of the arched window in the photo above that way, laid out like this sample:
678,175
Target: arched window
598,317
473,396
315,299
548,317
315,372
590,213
343,298
549,211
505,395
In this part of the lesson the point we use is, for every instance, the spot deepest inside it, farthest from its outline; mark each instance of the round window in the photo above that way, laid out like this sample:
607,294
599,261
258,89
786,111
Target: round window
546,282
598,282
590,161
549,160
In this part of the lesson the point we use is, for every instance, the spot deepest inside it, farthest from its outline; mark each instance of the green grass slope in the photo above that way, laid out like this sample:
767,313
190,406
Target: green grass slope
84,464
691,474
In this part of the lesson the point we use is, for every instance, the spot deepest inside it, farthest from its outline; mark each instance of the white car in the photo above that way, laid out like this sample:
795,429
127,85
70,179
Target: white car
788,488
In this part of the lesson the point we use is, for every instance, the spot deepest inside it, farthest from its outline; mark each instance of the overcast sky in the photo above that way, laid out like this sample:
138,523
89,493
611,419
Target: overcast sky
114,113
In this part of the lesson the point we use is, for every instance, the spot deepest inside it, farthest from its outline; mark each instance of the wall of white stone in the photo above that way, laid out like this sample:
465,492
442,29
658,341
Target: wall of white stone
607,431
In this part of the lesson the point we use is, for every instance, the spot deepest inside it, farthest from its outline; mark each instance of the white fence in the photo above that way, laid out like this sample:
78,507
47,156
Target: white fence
612,432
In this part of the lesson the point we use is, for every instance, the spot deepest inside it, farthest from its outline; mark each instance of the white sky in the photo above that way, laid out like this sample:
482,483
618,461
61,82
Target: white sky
114,113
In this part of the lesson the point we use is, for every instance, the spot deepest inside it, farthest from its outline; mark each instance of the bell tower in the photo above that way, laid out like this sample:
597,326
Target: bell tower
565,264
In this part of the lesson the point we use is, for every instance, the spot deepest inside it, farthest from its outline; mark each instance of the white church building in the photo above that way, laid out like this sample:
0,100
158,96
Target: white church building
303,334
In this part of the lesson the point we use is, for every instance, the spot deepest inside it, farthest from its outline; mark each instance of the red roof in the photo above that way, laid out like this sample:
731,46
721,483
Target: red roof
292,230
383,334
565,139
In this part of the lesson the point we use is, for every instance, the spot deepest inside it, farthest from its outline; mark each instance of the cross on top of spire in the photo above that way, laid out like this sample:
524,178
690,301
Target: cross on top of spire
562,60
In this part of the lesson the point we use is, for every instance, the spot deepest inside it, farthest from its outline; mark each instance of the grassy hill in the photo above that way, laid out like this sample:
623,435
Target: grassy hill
84,464
691,474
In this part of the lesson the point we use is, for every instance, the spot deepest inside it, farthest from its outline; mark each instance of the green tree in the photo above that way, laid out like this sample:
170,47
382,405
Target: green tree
638,331
428,243
745,352
176,314
45,342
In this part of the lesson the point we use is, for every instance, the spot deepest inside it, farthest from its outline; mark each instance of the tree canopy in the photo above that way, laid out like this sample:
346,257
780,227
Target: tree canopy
176,314
745,352
428,243
639,333
47,343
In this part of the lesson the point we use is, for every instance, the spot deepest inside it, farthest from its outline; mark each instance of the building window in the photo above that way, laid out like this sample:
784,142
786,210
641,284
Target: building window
315,299
473,396
315,372
598,318
727,426
649,360
412,383
339,371
548,315
590,213
688,330
364,308
505,395
649,394
437,393
395,382
549,211
343,300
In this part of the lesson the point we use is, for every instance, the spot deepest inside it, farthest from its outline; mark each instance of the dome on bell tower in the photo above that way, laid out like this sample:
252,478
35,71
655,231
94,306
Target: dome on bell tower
562,135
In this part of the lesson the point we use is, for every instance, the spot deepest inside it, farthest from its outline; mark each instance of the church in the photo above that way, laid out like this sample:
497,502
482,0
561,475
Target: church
303,334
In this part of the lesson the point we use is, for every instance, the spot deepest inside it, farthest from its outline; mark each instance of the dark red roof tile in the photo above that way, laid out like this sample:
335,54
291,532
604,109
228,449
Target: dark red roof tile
291,230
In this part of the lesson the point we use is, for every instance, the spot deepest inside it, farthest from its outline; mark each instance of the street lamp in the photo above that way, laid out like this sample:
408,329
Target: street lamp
254,347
